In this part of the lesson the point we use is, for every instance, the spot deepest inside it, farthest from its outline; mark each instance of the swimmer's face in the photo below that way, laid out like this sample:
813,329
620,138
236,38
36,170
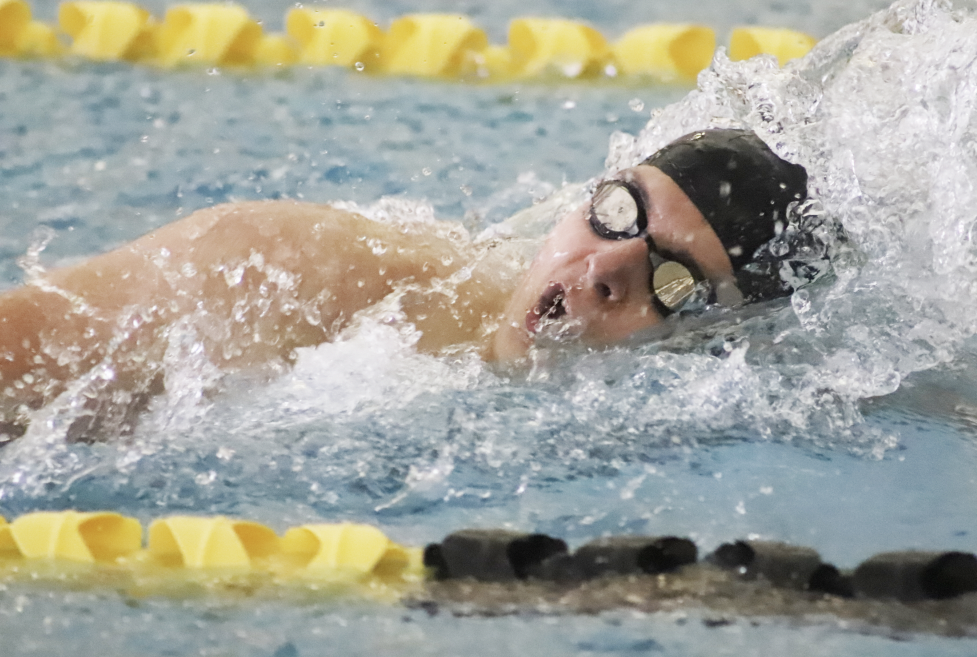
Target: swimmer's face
598,290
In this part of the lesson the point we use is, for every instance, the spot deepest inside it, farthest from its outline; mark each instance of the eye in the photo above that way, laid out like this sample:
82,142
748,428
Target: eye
615,212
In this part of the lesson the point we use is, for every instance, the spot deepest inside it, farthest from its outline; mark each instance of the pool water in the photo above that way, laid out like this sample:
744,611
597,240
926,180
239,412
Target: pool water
843,420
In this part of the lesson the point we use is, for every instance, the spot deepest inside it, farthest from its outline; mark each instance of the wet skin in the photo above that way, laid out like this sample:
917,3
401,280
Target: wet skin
598,289
250,282
253,282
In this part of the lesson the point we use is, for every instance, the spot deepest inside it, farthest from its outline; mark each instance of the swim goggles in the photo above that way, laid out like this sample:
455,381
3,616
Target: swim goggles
617,212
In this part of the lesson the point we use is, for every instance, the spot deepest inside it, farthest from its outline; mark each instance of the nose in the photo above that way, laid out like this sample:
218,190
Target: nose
614,270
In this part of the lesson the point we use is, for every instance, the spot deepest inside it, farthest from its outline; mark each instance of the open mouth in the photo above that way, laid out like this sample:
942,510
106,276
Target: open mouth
550,307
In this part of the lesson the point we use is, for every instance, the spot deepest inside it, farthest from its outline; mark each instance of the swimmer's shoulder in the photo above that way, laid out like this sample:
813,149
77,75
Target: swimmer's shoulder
268,217
300,219
311,236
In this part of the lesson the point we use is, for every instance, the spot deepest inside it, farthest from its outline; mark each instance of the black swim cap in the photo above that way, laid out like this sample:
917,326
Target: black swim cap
738,184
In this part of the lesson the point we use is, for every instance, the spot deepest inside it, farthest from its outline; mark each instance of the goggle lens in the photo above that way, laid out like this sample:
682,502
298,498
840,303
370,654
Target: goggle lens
616,213
673,284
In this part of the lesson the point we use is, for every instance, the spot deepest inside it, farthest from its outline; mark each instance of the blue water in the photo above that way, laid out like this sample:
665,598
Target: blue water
82,623
844,420
122,150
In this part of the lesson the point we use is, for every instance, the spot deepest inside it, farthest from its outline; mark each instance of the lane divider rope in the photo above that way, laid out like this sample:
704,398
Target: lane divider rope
444,46
181,553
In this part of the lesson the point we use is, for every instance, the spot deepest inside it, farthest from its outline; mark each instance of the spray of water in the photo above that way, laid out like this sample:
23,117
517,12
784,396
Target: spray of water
882,114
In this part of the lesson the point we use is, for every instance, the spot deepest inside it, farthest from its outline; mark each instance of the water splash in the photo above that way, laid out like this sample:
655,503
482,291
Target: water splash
30,262
881,114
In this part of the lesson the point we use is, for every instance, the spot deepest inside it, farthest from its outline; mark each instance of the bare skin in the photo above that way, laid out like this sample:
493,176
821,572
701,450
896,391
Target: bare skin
253,282
604,283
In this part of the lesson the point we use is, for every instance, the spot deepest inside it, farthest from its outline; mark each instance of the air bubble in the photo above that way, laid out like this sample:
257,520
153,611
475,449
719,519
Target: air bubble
572,70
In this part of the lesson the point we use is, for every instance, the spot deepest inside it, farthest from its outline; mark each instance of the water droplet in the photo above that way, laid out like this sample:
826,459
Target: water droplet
636,104
426,171
572,70
312,315
234,276
205,478
359,66
376,246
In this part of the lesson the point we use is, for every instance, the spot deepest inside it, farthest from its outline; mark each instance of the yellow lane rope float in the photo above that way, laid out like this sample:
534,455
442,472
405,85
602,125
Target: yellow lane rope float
747,42
183,555
19,35
432,45
334,37
446,46
107,31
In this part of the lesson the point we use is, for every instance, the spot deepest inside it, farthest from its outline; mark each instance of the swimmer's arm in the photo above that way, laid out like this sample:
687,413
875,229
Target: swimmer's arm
257,279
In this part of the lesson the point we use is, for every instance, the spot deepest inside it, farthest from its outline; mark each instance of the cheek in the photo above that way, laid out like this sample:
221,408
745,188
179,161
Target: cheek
551,263
608,327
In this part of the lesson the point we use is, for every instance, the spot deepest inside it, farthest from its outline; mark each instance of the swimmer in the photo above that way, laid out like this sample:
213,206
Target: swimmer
252,282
